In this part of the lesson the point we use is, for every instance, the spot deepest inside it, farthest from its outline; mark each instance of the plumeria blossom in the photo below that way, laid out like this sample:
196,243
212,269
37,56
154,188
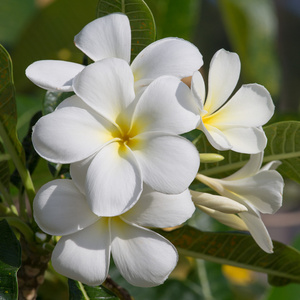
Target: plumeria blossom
235,124
110,36
115,137
143,257
258,190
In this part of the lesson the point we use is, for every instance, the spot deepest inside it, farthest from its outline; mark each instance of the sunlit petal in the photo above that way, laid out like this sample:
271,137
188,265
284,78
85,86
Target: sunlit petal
108,36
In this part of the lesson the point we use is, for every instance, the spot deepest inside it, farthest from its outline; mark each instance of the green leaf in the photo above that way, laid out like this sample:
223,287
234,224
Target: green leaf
238,250
251,28
283,144
8,112
80,291
4,168
143,31
10,262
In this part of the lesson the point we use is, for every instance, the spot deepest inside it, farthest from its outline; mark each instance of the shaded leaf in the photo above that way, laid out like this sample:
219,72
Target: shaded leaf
143,31
4,168
8,113
80,291
237,249
10,262
283,144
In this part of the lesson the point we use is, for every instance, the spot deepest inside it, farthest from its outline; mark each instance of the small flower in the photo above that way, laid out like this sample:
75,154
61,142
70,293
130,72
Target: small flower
235,124
110,36
255,188
143,257
114,137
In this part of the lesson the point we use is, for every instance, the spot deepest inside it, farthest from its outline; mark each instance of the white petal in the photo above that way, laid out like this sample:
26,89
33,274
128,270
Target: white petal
114,182
258,230
245,139
215,136
263,190
60,209
143,257
223,76
272,165
198,89
109,36
168,163
84,255
53,75
159,210
166,105
250,168
169,56
216,202
230,220
251,106
70,133
106,86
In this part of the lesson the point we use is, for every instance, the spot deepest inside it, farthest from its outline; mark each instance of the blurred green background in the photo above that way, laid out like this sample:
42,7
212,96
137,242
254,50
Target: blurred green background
265,34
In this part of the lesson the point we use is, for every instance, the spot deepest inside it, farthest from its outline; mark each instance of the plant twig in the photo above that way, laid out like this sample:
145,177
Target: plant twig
116,289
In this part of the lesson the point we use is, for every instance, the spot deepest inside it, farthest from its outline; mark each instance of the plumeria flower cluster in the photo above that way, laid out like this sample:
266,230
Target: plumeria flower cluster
130,167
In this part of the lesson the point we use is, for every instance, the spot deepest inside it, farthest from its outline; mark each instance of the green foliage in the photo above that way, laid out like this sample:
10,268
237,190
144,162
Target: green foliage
251,28
50,34
175,18
79,291
10,262
143,31
283,144
239,250
4,168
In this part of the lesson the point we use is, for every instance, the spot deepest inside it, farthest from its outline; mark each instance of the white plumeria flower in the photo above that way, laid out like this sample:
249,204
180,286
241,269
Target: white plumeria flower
234,125
257,189
126,140
143,257
110,36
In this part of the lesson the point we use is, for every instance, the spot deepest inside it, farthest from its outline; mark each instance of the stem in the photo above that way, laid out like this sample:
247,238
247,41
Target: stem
204,280
22,227
116,289
24,173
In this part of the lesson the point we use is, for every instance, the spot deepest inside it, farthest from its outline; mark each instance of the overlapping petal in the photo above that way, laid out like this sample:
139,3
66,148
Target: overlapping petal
71,133
53,75
169,56
143,257
106,86
60,209
160,210
109,36
114,164
156,154
223,76
84,255
198,89
166,105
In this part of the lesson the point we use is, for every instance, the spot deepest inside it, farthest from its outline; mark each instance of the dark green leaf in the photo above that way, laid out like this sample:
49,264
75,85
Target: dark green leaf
143,31
10,262
238,250
80,291
283,144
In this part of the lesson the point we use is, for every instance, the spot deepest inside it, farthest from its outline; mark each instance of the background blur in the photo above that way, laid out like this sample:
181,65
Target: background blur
265,34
